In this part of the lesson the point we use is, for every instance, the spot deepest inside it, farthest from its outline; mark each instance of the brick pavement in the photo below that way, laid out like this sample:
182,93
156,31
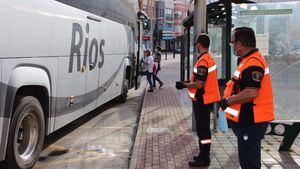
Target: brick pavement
164,138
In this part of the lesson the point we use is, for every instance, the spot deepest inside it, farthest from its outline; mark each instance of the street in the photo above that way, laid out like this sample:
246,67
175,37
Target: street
101,139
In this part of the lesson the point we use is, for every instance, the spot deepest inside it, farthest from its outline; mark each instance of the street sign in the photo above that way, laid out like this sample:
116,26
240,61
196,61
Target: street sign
168,35
267,12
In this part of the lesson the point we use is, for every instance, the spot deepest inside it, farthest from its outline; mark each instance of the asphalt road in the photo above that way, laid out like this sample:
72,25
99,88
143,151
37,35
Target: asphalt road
100,140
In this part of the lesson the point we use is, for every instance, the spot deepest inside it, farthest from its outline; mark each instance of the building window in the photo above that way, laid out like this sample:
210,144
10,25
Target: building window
178,15
178,29
162,13
169,14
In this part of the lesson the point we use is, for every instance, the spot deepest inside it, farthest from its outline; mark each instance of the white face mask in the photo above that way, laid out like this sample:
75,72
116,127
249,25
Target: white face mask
234,51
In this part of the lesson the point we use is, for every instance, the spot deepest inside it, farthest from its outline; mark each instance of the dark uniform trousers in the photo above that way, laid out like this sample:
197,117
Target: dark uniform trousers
249,143
202,116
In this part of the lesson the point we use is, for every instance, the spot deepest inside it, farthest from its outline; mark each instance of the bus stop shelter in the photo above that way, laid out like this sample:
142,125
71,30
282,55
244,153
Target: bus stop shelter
220,14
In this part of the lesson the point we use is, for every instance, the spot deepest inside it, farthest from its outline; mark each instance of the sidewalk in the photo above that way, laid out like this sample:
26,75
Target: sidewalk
165,141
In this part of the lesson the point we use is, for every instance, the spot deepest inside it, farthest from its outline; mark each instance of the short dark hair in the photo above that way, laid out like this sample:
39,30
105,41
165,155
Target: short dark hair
204,40
158,48
245,35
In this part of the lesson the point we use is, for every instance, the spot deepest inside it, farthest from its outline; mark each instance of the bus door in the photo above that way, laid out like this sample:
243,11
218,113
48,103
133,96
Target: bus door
139,55
92,56
143,25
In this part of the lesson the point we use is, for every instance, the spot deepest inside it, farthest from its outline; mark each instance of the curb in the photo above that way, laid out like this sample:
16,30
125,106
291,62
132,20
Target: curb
135,150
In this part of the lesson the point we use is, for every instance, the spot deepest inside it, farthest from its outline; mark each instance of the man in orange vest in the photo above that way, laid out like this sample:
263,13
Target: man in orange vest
204,91
248,98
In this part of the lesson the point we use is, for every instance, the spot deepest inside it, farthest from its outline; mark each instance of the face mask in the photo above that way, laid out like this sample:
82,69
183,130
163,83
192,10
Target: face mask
198,50
234,51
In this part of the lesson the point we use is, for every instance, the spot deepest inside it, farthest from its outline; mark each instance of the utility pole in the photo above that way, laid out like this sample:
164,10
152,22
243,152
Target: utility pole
199,27
228,8
199,22
151,32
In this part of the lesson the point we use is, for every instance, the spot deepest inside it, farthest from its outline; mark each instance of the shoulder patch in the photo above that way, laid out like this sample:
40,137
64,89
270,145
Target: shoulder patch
202,71
257,76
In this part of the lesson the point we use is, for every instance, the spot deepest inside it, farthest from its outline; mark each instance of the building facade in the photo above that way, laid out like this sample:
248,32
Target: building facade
164,24
160,22
180,13
149,6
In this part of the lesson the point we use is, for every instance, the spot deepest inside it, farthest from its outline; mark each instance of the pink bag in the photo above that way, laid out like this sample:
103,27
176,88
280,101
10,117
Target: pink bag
154,68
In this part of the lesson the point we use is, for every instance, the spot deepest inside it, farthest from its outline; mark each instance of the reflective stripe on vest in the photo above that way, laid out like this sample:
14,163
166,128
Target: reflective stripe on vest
237,73
195,70
214,67
192,95
267,71
232,111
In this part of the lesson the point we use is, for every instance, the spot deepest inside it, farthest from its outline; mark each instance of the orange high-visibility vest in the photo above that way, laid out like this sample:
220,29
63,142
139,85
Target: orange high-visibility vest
263,105
211,87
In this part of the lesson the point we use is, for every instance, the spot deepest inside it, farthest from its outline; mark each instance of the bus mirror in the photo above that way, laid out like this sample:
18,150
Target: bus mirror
142,15
146,25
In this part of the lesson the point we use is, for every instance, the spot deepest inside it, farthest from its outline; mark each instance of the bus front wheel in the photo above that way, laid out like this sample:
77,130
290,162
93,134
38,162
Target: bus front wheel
27,132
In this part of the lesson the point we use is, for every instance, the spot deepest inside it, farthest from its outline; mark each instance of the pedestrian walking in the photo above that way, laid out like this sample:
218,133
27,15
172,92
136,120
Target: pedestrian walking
204,91
157,59
248,98
149,61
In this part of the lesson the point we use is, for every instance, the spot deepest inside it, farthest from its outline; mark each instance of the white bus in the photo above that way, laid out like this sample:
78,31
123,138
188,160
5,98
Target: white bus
60,59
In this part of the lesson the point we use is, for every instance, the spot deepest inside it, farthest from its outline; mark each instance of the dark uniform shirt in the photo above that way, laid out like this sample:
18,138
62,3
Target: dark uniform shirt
251,78
157,57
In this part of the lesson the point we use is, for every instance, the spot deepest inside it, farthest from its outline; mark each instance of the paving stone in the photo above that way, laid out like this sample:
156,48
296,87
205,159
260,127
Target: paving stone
165,136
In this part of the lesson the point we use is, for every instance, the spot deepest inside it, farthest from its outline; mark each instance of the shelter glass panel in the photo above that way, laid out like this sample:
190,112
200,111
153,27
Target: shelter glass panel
217,46
277,28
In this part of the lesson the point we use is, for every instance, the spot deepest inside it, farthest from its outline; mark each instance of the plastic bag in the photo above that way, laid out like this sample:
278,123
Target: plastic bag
184,96
223,126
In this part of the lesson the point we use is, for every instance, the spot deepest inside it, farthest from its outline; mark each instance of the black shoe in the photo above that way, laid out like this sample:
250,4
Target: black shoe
161,85
199,163
196,157
150,90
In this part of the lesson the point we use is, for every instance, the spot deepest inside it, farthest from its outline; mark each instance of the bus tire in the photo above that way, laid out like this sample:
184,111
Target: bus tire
123,97
27,132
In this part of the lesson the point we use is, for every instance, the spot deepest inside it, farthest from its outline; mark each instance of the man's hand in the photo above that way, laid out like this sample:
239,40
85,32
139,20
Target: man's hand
223,103
180,85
